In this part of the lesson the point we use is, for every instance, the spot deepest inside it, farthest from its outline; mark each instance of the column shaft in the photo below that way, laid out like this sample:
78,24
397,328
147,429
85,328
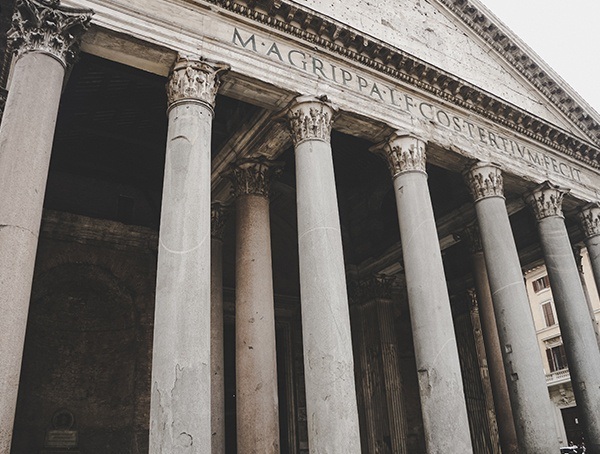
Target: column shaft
391,376
440,381
26,135
255,353
328,363
216,331
522,359
576,327
504,416
180,410
590,222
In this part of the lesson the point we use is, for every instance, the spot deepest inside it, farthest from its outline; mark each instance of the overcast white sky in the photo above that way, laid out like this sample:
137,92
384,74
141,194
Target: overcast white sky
565,33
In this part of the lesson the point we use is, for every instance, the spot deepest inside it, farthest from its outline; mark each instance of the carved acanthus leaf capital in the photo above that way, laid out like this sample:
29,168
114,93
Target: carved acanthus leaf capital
48,27
218,217
589,217
195,79
472,237
403,153
310,118
484,180
546,201
252,176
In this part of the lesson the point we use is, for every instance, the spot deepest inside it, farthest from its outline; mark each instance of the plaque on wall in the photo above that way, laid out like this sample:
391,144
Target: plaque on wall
61,437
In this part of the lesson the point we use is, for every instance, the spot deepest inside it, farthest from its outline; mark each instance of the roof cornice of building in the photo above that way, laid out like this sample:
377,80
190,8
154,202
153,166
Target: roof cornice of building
336,37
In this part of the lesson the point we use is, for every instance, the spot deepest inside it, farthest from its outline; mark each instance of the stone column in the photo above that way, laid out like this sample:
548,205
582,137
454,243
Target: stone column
572,310
328,364
577,249
45,36
440,381
504,415
255,354
377,294
589,218
523,367
217,384
180,409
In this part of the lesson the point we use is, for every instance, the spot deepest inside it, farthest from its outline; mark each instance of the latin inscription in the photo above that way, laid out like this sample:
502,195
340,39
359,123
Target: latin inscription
413,106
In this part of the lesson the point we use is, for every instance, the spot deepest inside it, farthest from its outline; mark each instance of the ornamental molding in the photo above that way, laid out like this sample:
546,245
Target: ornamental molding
310,118
484,180
546,201
403,153
589,217
219,214
471,236
195,79
48,27
336,37
252,176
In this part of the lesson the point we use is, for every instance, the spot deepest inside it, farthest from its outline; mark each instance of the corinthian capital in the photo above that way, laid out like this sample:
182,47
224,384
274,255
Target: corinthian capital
484,180
218,217
546,201
403,153
195,79
471,236
310,118
46,26
252,176
589,217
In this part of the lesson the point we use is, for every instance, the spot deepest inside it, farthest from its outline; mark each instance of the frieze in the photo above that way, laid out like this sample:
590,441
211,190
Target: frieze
350,43
416,107
546,201
589,217
484,180
48,27
252,176
310,119
195,79
403,153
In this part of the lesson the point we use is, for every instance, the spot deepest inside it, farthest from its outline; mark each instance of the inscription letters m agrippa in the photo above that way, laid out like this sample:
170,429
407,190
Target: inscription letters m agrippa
412,105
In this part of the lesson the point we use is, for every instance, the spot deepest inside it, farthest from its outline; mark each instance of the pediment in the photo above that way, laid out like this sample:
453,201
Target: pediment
464,39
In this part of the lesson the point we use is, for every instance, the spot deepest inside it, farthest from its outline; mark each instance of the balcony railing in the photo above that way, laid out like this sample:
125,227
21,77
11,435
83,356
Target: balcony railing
558,377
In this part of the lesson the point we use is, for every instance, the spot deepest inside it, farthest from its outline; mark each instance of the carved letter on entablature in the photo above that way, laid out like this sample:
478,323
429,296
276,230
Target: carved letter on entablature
403,153
252,176
471,236
195,79
546,201
47,27
590,220
218,218
484,180
310,118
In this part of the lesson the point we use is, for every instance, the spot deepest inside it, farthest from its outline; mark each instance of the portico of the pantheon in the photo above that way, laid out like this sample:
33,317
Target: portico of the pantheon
264,226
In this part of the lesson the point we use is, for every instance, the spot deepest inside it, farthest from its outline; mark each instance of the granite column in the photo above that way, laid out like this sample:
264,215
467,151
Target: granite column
180,409
576,327
45,37
523,367
328,362
217,381
589,218
440,381
504,415
255,350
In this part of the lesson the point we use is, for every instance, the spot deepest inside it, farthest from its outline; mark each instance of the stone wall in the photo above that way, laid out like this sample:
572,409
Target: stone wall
89,335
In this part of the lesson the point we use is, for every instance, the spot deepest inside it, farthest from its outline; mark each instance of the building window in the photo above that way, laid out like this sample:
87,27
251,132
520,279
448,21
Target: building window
541,284
548,313
557,359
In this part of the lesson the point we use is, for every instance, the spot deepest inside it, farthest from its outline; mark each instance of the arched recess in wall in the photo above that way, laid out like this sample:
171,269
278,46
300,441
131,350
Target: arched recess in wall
79,355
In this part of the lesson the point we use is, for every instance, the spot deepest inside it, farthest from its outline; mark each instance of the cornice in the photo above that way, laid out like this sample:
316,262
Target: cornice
345,41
